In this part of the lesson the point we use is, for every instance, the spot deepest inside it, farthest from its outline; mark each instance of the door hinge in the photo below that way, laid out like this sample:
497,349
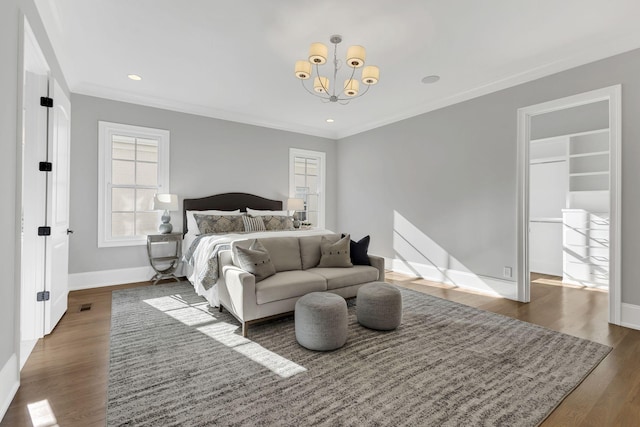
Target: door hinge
45,101
42,296
44,231
46,166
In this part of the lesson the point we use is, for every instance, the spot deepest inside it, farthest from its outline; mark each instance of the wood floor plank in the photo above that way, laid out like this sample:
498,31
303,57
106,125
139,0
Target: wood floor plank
69,368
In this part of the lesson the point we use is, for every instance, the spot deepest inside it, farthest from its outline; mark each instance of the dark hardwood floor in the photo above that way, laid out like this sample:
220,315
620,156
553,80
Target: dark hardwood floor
68,369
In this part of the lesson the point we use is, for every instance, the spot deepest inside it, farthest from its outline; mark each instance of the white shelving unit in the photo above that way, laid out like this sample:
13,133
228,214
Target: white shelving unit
586,221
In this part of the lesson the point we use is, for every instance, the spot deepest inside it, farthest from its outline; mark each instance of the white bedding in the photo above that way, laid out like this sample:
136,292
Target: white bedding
197,267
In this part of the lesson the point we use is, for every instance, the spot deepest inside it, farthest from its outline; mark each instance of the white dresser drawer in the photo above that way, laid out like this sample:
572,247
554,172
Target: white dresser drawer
597,238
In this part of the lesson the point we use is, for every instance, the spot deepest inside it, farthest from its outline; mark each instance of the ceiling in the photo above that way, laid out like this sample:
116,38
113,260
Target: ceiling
234,60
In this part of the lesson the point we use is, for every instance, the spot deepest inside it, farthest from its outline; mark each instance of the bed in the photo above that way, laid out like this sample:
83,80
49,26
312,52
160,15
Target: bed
200,260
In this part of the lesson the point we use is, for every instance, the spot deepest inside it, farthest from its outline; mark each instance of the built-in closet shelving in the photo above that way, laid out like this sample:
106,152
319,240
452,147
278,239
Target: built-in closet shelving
585,218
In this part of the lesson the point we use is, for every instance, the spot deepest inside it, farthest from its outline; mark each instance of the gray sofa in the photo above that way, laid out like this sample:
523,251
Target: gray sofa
295,260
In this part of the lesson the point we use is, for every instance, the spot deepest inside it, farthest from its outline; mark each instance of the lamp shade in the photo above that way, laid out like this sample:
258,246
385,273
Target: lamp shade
355,56
321,84
318,53
351,87
165,202
370,75
303,70
295,204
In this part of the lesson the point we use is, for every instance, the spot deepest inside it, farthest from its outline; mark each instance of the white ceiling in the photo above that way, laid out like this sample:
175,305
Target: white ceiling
234,60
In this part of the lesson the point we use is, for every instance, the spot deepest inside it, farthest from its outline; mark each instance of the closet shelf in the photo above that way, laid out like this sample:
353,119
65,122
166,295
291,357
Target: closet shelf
594,153
590,173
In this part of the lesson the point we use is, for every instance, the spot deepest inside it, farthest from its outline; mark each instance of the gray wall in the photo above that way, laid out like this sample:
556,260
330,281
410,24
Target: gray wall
208,156
452,174
583,118
11,64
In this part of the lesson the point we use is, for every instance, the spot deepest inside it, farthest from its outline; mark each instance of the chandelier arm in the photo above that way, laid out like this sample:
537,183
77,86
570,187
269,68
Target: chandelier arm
335,67
311,92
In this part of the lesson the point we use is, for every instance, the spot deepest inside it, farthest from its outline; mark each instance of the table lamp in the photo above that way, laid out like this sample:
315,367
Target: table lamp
165,202
295,205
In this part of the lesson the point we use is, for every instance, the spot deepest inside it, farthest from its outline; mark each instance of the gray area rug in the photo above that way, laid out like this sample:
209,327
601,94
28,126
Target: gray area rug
174,362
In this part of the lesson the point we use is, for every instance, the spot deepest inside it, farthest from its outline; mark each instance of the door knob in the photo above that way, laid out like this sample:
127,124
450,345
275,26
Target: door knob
69,231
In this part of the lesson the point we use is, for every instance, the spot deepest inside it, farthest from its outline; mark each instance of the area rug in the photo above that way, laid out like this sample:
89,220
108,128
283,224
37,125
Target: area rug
174,362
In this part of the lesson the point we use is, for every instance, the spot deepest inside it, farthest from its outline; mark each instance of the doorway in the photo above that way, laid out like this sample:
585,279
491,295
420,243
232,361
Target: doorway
569,193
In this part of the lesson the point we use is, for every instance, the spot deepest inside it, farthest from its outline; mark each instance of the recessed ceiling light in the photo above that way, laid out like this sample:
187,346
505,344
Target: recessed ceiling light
134,77
329,120
430,79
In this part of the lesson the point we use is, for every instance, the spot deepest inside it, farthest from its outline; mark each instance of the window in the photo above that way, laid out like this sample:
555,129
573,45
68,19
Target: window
307,182
133,166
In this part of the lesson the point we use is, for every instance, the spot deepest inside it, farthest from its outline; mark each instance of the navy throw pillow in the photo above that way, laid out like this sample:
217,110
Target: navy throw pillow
358,251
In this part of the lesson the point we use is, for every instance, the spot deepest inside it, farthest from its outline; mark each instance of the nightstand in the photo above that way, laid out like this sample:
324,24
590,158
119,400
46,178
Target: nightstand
165,263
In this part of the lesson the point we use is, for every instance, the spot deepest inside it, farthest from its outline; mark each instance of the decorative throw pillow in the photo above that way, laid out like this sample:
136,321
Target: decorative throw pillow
252,223
208,224
335,254
277,222
359,255
255,260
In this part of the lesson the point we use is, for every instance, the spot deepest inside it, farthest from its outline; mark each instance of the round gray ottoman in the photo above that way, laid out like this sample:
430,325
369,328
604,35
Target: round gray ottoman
321,321
379,306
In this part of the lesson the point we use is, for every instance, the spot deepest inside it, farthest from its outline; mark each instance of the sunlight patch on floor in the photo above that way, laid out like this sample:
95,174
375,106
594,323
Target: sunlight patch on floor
198,315
41,414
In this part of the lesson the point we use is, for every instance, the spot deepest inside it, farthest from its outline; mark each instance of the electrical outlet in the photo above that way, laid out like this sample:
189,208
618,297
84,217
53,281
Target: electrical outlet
507,272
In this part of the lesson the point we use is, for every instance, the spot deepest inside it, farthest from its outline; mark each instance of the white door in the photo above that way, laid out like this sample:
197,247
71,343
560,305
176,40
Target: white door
34,191
57,244
34,184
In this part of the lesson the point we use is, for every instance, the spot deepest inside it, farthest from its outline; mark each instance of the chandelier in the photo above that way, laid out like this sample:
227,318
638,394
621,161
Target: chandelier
325,89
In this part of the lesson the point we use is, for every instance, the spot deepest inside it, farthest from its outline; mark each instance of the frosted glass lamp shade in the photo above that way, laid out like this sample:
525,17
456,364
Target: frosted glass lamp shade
303,70
165,202
318,53
351,87
295,204
321,84
355,56
370,75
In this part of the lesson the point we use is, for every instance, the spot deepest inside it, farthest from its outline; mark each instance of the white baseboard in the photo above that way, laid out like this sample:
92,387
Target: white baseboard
630,316
461,279
97,279
9,383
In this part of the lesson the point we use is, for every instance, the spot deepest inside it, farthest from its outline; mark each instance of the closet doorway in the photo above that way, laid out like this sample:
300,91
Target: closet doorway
569,193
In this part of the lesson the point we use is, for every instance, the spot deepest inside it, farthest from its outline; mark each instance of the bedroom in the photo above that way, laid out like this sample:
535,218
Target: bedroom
360,199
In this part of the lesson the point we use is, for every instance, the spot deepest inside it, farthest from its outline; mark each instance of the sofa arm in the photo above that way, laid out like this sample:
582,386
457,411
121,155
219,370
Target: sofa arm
241,291
378,262
225,258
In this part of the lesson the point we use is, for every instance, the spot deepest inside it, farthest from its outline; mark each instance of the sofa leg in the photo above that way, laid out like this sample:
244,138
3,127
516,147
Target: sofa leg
245,326
220,308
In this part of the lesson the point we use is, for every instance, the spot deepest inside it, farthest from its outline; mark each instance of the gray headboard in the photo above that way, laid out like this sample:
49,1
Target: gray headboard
227,202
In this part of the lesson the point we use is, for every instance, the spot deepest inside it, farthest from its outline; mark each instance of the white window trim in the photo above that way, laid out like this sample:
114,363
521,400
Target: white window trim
322,157
106,130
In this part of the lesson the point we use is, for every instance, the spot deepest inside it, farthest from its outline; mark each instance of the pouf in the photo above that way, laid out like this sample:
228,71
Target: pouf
321,321
379,306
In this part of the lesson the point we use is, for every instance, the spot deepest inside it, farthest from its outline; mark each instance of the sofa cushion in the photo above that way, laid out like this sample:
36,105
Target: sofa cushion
284,251
335,254
343,277
310,249
289,284
256,260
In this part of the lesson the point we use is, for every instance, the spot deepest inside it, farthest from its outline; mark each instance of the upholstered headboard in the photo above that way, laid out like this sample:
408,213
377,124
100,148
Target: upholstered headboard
227,202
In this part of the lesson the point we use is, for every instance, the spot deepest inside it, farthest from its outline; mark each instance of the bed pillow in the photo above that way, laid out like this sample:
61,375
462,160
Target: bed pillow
208,224
255,260
335,254
255,212
192,225
359,255
277,222
253,223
